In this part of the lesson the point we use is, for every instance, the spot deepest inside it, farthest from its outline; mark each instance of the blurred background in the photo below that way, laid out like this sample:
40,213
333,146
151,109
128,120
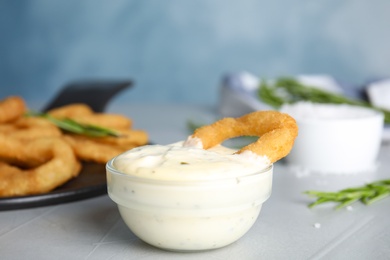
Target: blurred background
178,51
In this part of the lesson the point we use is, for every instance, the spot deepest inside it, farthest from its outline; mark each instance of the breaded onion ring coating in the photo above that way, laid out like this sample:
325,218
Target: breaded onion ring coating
60,167
102,149
276,131
89,150
128,137
27,128
12,151
105,120
71,110
11,108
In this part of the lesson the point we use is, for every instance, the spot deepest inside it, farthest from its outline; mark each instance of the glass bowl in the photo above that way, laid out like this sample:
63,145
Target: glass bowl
189,215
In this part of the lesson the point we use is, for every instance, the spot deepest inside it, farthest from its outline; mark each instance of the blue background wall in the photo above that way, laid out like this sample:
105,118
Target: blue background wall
178,50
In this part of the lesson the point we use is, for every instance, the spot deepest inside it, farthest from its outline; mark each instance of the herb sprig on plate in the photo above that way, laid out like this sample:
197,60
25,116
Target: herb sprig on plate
367,194
288,90
72,126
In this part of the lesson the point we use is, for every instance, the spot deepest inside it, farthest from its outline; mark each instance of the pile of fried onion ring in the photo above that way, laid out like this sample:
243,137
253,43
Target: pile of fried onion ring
276,131
36,156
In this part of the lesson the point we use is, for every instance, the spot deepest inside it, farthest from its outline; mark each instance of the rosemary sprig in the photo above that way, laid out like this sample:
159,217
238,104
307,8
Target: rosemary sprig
288,90
367,194
72,126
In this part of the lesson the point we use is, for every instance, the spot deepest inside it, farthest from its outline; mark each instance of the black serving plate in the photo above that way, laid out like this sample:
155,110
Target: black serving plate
91,181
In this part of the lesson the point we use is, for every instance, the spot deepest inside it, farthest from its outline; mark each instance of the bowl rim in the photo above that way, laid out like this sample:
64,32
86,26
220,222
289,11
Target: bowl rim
372,114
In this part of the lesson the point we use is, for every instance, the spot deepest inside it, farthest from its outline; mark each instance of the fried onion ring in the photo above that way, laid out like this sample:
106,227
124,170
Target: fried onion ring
60,166
102,149
91,151
27,128
12,151
11,108
276,131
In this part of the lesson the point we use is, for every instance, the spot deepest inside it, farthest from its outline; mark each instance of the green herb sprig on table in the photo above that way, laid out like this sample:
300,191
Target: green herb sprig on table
288,90
367,194
72,126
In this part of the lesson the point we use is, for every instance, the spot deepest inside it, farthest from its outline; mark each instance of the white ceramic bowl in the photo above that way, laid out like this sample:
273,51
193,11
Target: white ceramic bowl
335,138
189,215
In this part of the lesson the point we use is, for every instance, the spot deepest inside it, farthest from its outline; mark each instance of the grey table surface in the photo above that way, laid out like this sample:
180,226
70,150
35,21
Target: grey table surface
285,229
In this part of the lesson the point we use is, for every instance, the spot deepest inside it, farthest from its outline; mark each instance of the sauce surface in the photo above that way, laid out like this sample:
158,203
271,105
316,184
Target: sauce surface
179,163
